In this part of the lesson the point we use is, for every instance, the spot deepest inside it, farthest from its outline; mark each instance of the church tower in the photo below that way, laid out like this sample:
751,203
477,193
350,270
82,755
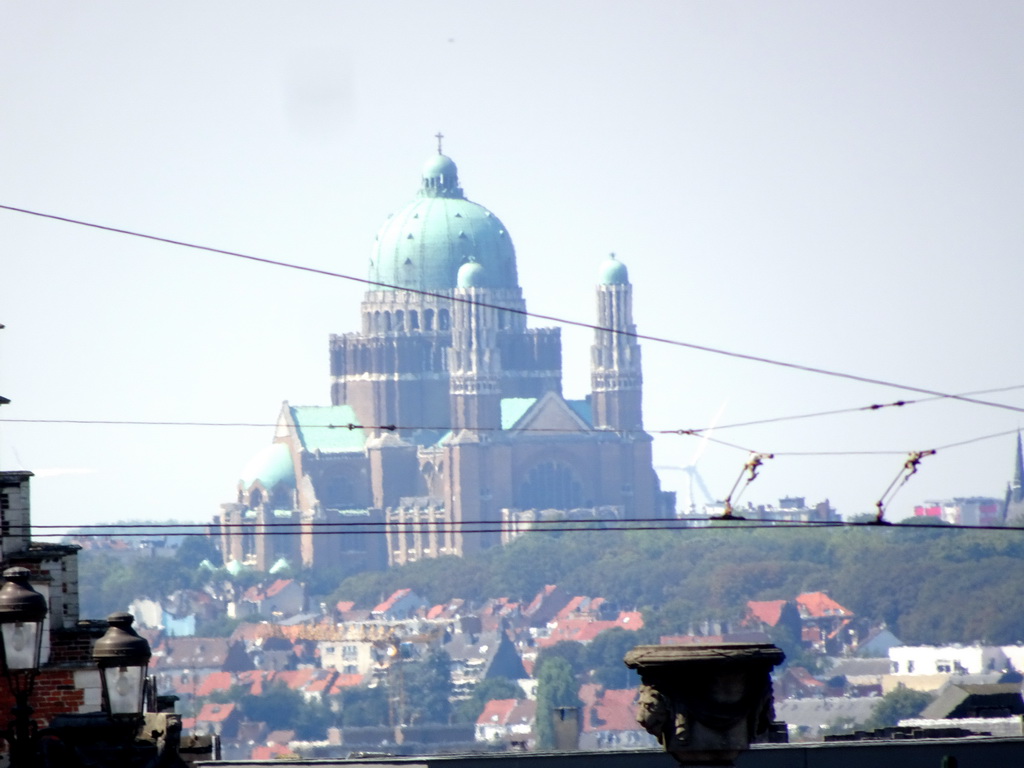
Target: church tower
1013,506
615,371
474,358
396,370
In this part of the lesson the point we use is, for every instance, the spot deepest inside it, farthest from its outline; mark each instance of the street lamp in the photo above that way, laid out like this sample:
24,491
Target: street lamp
122,656
22,613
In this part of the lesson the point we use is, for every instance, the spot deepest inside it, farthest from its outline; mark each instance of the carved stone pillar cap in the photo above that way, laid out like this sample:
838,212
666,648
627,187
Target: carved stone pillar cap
705,703
649,656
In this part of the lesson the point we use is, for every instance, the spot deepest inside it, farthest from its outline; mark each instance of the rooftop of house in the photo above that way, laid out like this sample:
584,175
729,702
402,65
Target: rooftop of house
584,630
966,700
388,604
508,712
819,605
215,713
192,653
608,709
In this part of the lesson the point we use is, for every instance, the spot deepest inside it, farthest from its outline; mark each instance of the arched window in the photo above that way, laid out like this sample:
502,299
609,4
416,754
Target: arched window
376,322
399,320
255,498
550,485
428,319
414,320
387,321
443,321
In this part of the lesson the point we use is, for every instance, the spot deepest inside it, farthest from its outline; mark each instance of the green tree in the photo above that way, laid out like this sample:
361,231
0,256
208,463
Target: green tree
896,705
282,708
604,658
556,687
572,651
363,706
428,688
195,549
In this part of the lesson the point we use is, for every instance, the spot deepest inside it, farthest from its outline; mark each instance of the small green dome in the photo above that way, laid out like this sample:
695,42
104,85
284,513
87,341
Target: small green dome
472,275
613,272
270,466
424,245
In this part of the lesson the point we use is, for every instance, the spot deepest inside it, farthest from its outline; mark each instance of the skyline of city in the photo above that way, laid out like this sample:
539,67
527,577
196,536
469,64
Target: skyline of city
816,184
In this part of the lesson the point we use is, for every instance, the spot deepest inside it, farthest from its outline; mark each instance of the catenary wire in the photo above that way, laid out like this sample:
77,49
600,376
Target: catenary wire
838,411
685,432
736,522
526,313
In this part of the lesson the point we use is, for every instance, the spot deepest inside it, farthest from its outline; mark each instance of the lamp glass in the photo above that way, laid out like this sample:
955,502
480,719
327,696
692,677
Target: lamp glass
124,688
21,644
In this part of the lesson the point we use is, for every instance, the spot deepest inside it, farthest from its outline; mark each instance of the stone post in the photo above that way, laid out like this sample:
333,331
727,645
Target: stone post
705,703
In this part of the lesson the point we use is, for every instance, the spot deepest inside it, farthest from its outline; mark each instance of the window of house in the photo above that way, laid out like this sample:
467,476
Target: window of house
349,652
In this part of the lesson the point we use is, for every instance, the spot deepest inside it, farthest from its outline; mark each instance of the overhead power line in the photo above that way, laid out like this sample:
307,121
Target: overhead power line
555,526
535,315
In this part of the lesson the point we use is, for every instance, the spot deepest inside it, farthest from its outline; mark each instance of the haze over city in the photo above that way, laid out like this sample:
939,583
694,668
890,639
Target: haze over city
837,186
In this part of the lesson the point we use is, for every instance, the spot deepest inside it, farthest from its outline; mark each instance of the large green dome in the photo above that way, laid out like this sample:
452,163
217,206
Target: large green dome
271,466
423,246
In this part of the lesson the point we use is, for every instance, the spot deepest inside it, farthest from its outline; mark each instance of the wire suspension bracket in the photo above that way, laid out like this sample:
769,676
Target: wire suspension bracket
907,471
750,470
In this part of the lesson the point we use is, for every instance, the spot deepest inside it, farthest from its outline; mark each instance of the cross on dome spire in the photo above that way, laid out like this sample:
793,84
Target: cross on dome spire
439,136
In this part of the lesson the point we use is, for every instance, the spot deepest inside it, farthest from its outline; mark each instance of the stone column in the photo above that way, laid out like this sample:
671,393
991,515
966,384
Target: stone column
705,703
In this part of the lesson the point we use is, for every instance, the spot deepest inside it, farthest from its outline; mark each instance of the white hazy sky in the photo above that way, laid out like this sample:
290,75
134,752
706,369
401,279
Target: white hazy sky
834,184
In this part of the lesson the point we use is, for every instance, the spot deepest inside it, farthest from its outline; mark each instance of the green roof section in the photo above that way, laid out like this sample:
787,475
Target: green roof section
513,409
325,428
582,409
272,465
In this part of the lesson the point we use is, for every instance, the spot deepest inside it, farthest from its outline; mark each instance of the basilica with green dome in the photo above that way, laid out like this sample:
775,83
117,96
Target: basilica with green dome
447,431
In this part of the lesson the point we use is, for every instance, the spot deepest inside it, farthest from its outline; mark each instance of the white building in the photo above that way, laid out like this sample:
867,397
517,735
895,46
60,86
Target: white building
954,659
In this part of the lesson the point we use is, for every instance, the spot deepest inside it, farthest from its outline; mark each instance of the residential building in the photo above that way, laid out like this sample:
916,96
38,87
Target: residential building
507,721
609,720
973,510
947,660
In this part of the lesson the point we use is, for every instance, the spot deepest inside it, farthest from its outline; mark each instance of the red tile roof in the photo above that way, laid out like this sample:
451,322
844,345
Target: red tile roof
215,681
214,713
496,712
346,681
608,710
584,630
322,680
269,752
571,607
816,605
296,679
508,712
766,611
539,598
277,586
388,604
